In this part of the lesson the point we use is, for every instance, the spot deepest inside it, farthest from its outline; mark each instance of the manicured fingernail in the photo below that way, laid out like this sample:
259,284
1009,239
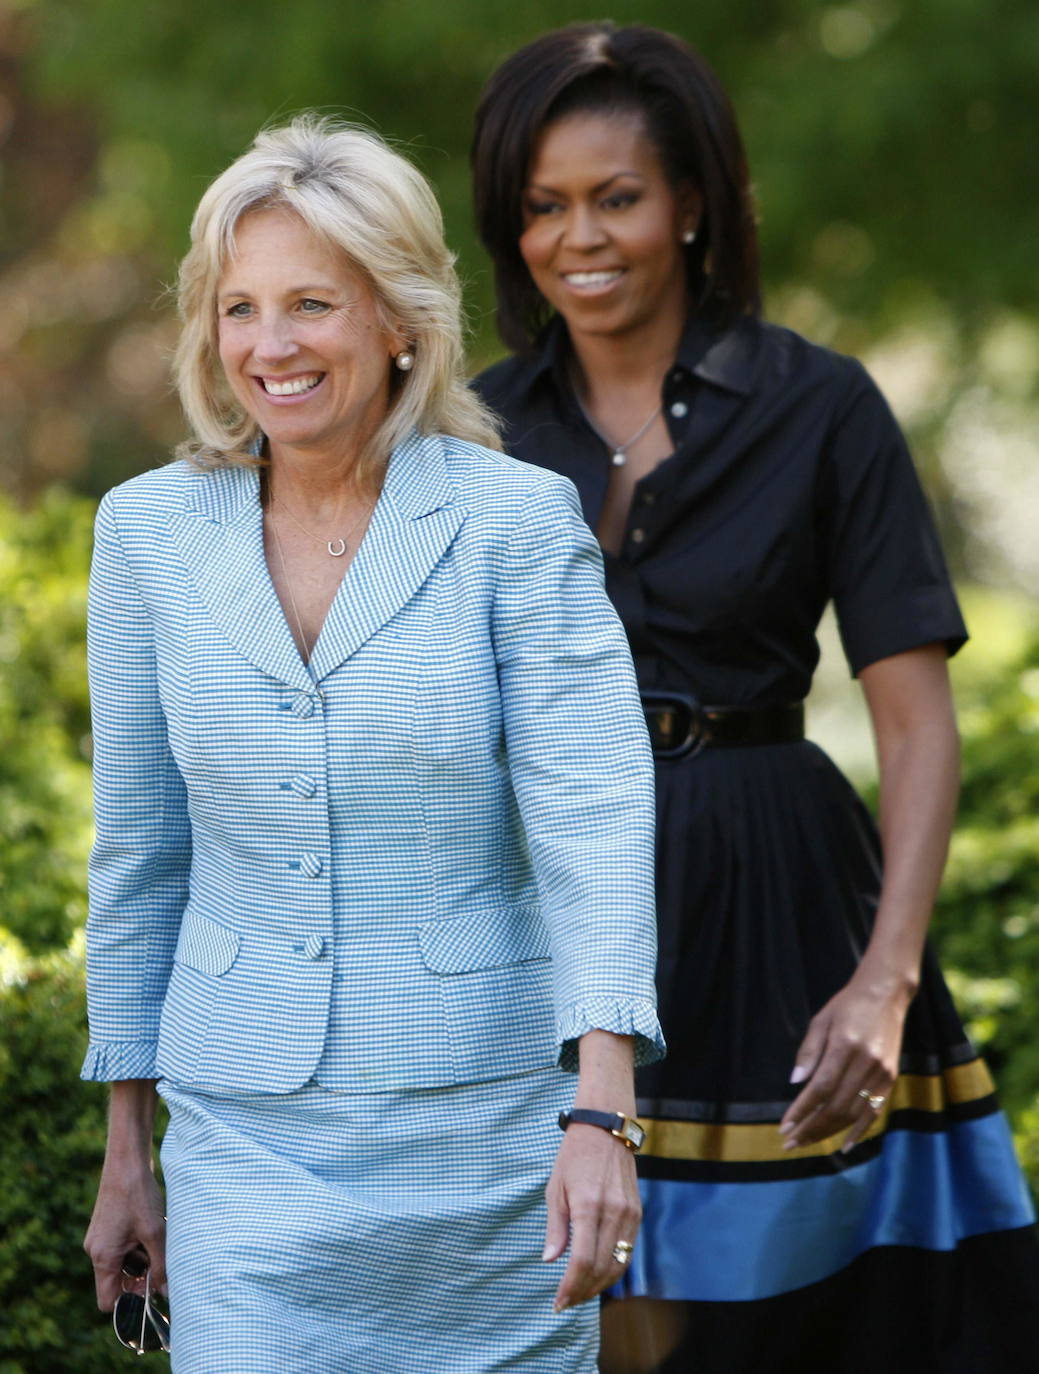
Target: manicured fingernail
787,1128
791,1144
546,1254
799,1074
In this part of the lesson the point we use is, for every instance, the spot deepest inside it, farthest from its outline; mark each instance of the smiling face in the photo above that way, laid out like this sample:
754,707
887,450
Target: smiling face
602,226
300,338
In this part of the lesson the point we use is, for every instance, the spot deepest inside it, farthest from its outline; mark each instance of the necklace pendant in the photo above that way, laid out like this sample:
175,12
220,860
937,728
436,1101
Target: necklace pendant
619,458
336,547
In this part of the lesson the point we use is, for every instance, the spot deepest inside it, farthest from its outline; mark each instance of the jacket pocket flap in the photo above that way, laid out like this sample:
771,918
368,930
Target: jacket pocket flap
206,945
484,939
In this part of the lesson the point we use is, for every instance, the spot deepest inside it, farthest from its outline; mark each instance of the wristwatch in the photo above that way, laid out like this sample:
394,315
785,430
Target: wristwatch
625,1128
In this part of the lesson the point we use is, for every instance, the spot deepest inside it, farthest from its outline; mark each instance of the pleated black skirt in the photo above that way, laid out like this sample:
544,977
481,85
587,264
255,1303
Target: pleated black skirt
916,1250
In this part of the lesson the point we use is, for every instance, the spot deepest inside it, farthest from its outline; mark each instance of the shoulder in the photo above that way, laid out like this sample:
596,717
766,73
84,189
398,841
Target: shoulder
155,496
502,380
488,481
784,356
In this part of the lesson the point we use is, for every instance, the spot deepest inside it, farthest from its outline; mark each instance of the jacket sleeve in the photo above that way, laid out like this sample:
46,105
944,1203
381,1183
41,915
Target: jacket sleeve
581,770
138,874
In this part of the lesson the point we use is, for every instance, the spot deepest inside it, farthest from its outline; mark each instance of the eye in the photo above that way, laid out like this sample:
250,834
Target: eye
620,200
311,306
240,310
542,207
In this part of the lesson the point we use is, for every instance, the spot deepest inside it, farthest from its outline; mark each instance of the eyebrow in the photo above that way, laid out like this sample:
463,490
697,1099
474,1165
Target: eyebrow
309,289
601,186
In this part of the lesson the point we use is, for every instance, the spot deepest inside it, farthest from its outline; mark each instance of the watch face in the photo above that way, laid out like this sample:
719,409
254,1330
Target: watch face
631,1130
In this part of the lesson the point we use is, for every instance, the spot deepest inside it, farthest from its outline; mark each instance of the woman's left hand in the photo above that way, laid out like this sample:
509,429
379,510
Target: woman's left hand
851,1049
593,1201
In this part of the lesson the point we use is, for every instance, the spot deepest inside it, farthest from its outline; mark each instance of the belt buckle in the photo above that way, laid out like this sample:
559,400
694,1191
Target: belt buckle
680,719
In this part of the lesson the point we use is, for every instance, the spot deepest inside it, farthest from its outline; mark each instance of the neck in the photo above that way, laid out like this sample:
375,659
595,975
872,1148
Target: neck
631,363
309,481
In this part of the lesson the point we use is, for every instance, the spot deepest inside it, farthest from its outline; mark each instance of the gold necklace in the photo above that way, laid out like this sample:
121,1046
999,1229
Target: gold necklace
335,547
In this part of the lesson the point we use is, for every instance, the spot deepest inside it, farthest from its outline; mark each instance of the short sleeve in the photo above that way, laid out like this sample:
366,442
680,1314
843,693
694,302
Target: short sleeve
886,572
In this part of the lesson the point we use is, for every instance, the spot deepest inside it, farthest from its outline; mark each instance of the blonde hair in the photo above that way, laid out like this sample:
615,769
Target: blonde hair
355,193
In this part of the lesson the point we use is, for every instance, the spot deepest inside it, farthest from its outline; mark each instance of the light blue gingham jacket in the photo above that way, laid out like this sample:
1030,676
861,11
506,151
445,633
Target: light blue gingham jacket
426,859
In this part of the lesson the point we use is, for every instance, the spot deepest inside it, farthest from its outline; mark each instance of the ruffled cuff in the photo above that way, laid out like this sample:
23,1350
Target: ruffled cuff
115,1061
627,1017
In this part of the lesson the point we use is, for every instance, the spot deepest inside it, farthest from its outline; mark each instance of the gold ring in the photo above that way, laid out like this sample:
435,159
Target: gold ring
622,1251
875,1100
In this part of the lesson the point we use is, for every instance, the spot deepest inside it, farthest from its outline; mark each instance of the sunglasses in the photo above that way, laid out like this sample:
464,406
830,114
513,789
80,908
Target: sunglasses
140,1320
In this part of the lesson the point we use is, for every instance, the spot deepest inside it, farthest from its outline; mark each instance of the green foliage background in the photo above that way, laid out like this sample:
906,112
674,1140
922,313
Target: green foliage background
893,151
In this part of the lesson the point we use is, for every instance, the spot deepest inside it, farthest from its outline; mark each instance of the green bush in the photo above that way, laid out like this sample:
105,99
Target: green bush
50,1155
44,719
987,922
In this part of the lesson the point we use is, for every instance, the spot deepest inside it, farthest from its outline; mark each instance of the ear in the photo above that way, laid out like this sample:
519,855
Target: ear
398,341
689,205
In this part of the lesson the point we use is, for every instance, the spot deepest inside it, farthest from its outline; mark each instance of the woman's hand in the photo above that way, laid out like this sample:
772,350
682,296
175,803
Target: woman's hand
593,1194
852,1047
593,1201
128,1214
129,1211
853,1043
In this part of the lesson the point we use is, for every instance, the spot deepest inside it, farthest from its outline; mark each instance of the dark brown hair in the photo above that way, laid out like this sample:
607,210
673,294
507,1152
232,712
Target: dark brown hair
602,68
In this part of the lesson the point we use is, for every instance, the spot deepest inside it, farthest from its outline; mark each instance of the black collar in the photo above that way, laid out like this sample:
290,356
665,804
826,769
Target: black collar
725,358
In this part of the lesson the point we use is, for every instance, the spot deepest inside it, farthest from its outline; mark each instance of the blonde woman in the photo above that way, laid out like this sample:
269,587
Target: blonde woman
374,821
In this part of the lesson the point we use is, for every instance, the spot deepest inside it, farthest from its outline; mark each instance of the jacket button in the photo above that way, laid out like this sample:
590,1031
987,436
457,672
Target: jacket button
310,865
302,706
314,947
679,410
303,785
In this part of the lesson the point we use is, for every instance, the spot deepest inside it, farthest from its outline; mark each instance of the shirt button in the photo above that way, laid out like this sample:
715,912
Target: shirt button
302,706
680,410
648,498
303,785
310,865
314,947
637,536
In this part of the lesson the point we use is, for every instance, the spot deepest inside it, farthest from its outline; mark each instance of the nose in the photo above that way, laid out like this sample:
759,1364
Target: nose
583,230
273,341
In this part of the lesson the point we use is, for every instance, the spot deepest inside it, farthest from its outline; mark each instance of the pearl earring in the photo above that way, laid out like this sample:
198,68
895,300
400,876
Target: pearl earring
405,360
688,236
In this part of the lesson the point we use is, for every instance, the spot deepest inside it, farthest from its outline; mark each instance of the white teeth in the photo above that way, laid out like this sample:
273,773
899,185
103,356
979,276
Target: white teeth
294,388
591,278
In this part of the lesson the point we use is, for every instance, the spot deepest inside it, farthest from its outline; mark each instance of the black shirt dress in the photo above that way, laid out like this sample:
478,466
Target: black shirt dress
790,485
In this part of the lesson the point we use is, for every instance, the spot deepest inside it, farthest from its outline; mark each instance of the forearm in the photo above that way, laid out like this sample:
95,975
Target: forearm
919,785
131,1123
606,1078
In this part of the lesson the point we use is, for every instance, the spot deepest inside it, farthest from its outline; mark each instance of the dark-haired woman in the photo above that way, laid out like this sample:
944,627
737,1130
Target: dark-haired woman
827,1182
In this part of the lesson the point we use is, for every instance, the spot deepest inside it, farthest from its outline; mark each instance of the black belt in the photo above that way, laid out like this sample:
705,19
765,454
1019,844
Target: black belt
679,725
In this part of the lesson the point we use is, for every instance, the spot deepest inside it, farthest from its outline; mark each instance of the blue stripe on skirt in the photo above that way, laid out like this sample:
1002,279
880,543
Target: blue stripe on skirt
371,1233
741,1241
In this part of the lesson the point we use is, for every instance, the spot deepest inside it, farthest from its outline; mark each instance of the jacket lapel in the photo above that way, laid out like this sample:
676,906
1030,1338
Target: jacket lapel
220,538
413,525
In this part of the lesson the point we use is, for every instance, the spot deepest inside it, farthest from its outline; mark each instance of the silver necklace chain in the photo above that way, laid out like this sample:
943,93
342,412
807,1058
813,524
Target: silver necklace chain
335,547
288,585
618,452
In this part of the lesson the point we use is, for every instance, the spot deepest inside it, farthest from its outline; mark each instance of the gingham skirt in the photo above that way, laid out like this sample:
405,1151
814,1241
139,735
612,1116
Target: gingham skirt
368,1233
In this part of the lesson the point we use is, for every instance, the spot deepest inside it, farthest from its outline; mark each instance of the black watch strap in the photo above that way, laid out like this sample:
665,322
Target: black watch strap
625,1128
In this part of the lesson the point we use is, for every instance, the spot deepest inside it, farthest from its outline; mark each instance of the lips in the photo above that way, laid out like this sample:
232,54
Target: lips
592,281
291,386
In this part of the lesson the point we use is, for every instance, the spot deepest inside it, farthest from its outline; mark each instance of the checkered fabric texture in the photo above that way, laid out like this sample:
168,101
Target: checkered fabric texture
374,1233
424,860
